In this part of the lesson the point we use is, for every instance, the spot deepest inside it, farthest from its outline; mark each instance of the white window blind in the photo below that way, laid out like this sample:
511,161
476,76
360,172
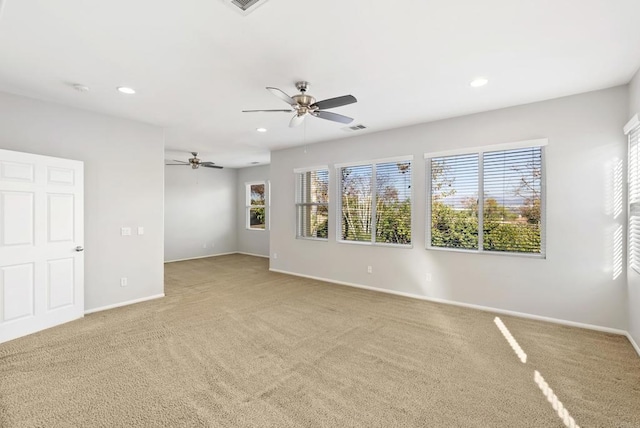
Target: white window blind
488,201
379,213
512,200
357,195
634,199
454,201
312,204
393,202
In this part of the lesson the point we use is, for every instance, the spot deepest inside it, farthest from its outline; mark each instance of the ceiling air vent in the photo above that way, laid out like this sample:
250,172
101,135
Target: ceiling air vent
245,7
353,128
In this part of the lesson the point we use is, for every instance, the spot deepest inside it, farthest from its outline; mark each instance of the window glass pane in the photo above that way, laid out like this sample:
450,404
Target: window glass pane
393,202
257,194
313,187
256,218
312,204
454,201
512,190
313,221
356,203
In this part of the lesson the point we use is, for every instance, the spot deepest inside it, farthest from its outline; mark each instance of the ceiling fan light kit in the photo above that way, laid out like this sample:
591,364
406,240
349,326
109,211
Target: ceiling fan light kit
195,163
303,105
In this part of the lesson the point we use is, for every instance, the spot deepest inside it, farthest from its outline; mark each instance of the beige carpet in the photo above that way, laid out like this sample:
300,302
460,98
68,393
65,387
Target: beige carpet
233,345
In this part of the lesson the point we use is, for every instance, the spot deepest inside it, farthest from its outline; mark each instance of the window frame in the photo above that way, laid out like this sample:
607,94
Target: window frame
298,172
338,186
248,205
480,151
633,207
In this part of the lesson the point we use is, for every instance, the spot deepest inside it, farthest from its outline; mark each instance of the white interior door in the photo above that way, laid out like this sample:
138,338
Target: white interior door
41,242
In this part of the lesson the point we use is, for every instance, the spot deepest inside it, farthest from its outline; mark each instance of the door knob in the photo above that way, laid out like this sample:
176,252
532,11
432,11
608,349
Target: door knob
79,248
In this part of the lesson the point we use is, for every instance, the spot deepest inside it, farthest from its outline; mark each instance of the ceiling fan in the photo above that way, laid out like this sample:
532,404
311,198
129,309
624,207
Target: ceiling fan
195,162
303,105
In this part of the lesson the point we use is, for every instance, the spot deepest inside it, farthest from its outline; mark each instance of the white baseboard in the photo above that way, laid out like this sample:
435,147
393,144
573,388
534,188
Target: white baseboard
127,303
466,305
200,257
633,343
251,254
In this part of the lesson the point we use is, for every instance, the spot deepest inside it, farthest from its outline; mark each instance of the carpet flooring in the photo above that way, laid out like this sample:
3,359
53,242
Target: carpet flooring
234,345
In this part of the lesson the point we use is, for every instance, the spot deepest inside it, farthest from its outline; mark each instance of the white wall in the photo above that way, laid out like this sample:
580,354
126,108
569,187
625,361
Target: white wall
575,282
252,241
123,163
634,277
200,212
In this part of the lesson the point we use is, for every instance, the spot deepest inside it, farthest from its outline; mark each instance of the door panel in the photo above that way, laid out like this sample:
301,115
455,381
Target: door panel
17,292
17,218
41,224
62,176
15,171
60,217
60,283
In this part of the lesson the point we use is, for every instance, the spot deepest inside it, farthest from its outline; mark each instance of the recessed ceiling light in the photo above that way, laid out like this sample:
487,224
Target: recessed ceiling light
478,82
126,90
254,163
261,129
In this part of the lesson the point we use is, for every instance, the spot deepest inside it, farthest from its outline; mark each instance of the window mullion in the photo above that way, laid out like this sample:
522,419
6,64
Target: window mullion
374,214
480,201
429,184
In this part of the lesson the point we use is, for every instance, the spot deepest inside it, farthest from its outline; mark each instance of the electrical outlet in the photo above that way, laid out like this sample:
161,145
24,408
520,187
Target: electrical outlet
204,245
140,230
125,231
124,282
369,269
428,277
275,255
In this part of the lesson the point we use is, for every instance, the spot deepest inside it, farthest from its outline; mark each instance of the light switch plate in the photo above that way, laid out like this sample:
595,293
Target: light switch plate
125,231
140,230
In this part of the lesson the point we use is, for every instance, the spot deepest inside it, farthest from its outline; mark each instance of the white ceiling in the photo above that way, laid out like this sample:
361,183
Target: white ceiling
197,63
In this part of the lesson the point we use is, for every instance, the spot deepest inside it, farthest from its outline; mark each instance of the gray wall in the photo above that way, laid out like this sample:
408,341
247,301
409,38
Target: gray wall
634,277
123,163
252,241
634,95
575,282
200,212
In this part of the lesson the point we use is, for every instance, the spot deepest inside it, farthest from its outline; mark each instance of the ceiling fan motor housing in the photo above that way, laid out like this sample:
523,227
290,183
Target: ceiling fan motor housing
303,104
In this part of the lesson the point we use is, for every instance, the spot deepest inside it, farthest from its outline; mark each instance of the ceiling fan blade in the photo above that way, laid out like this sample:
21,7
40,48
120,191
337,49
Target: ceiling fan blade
332,116
280,94
335,102
210,165
179,161
267,111
179,164
296,120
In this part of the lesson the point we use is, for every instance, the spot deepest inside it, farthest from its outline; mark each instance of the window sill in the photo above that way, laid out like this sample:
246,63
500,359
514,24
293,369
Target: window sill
255,229
304,238
375,244
542,256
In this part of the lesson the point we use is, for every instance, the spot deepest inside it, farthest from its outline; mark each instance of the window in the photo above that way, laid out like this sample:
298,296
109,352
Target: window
633,131
256,215
490,200
379,213
312,204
